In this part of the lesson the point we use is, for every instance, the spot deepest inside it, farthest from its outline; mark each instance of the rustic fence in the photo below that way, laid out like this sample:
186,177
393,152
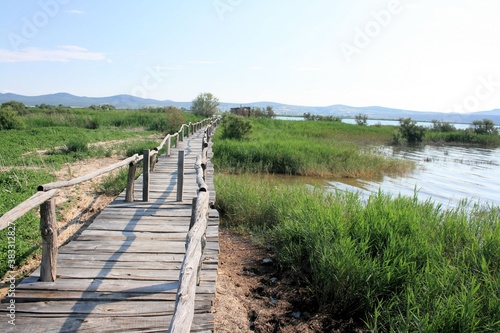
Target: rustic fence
195,244
45,198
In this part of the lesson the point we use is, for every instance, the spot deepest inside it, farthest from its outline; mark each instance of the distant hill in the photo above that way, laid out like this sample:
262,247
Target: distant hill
345,111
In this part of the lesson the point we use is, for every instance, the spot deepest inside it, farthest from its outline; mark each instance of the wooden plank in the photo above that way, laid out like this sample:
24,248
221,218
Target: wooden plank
91,324
124,274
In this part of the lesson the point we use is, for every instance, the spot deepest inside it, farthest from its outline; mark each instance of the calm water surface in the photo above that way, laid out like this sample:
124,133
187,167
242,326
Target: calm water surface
446,175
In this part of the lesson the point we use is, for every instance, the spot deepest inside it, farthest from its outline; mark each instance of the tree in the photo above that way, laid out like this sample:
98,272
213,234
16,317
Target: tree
205,105
410,131
485,126
270,112
438,126
361,119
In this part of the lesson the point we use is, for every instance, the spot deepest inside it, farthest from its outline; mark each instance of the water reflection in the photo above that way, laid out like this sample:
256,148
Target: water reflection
445,175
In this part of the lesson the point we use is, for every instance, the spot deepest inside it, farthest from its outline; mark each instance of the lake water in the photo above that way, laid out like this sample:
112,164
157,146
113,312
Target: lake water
445,175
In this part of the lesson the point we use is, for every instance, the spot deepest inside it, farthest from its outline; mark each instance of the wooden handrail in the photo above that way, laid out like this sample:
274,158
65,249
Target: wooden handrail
33,202
182,318
61,184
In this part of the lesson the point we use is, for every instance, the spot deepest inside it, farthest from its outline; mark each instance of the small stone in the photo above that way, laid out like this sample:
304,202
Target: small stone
267,261
296,314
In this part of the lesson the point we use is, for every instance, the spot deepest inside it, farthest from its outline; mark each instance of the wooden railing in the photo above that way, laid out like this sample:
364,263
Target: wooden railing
47,192
195,244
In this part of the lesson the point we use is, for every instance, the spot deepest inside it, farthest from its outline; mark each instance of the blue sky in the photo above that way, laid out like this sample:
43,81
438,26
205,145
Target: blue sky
440,55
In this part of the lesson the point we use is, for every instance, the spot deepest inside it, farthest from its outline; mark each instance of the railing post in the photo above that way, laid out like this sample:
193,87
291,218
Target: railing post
193,213
169,145
48,228
152,162
145,176
180,175
129,193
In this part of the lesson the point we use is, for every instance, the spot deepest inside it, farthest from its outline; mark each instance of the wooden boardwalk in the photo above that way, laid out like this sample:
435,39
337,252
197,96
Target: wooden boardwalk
121,274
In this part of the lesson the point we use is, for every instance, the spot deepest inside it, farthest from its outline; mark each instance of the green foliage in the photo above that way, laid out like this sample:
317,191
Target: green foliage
361,119
268,112
399,264
77,145
10,120
14,105
307,148
410,131
445,127
205,105
485,126
235,127
138,147
15,187
115,183
308,116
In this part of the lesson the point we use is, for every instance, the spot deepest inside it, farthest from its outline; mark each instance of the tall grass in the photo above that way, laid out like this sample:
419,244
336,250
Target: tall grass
395,263
308,148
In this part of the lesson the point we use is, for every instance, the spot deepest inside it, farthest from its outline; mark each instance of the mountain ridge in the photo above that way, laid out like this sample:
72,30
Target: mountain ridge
123,101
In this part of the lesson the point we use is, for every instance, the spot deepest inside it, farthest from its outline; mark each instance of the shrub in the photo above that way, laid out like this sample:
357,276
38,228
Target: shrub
235,127
438,126
361,119
77,146
10,120
485,126
91,123
410,131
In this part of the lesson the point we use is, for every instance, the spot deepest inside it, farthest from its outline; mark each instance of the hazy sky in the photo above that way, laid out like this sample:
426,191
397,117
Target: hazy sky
439,55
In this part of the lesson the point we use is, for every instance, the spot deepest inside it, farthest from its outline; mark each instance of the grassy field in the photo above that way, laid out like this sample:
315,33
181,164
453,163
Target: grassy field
47,138
395,264
309,148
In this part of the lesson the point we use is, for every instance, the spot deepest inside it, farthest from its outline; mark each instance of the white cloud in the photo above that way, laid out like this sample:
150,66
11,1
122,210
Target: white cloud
61,54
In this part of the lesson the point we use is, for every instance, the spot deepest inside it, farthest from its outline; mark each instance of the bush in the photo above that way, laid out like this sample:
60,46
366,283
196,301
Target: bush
77,146
410,131
235,127
91,123
485,126
10,120
438,126
361,119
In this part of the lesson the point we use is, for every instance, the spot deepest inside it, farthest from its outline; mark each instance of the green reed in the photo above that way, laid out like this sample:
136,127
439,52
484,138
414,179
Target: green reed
308,148
394,263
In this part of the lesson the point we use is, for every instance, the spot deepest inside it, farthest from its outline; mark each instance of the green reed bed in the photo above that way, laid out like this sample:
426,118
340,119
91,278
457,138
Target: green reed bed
308,148
396,264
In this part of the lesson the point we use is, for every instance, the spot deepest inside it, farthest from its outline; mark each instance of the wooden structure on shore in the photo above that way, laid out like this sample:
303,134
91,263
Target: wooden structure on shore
122,274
